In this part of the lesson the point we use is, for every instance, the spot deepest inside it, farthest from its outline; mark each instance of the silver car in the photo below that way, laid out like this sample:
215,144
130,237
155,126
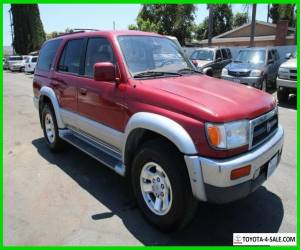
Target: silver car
255,67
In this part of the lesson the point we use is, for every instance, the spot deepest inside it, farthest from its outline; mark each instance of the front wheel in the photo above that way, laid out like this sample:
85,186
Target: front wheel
282,94
161,186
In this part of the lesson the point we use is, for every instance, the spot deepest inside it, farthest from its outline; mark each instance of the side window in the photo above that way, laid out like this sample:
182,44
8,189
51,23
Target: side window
229,53
70,59
218,54
98,50
34,59
270,55
47,55
276,55
224,53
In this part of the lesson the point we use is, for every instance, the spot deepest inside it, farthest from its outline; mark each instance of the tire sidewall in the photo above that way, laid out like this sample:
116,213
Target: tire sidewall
47,109
174,215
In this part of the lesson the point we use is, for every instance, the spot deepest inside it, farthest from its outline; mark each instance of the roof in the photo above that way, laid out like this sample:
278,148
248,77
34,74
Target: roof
107,33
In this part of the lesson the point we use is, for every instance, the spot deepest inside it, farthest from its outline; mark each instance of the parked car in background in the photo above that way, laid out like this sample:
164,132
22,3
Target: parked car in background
30,64
180,136
11,60
5,64
211,61
255,67
287,78
17,63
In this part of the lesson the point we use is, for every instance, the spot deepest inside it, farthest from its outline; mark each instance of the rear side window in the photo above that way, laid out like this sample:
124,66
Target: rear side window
70,59
98,50
47,55
229,53
224,53
218,54
34,59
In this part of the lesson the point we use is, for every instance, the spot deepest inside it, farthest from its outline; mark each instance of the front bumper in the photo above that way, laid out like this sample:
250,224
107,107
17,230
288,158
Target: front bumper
250,81
286,83
215,173
15,67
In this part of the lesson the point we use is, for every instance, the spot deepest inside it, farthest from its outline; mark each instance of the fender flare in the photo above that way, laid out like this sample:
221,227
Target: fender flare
163,126
205,70
46,91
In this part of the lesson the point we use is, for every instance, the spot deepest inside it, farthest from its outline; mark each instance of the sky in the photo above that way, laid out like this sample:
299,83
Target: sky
58,17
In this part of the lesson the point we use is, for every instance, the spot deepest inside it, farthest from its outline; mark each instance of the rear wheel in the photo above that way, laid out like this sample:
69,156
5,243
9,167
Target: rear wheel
161,186
50,128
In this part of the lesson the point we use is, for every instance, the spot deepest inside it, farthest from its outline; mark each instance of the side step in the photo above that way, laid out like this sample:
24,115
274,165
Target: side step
97,151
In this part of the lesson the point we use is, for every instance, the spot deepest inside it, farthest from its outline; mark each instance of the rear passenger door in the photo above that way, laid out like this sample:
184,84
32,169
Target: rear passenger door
66,78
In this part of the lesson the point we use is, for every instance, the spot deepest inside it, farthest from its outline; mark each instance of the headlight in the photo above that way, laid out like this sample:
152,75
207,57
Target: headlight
228,135
256,73
224,72
283,73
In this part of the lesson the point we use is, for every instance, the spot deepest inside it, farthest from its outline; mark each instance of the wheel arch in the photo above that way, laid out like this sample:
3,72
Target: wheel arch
48,95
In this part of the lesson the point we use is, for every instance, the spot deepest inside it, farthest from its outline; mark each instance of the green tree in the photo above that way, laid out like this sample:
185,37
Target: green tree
283,12
167,19
222,21
239,19
29,33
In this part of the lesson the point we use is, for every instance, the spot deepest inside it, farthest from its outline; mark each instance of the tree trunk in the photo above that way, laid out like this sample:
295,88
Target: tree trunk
253,21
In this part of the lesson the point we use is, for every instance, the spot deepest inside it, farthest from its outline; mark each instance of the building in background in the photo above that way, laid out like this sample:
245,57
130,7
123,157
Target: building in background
266,34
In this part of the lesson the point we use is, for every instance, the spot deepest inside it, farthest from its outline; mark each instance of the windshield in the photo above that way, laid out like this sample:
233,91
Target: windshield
15,58
205,55
251,56
150,53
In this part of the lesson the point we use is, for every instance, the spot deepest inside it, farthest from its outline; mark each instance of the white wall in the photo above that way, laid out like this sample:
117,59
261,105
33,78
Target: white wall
282,50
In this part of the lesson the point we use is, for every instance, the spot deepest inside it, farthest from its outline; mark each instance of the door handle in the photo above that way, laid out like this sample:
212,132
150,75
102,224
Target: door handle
83,91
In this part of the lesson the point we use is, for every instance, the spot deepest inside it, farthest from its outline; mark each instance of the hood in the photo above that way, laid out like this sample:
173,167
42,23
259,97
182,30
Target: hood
291,63
243,67
201,63
214,99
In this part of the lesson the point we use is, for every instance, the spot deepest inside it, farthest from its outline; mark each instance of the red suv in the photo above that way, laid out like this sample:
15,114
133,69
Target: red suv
133,101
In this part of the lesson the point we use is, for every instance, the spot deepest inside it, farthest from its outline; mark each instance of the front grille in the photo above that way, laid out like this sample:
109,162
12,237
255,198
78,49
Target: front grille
263,127
293,74
238,73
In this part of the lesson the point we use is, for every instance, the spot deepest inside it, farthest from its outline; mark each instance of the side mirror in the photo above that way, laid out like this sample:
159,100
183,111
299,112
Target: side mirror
270,61
219,59
104,71
288,55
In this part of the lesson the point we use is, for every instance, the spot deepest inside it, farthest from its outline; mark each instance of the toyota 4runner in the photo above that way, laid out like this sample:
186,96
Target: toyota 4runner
132,101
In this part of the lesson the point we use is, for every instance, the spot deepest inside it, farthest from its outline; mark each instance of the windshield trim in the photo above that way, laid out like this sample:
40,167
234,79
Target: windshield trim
155,36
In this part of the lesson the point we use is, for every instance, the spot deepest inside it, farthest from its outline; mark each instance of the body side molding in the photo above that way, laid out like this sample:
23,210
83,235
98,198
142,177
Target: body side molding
46,91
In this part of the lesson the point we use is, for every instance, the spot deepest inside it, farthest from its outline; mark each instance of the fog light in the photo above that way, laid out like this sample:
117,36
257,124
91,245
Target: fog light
256,173
240,172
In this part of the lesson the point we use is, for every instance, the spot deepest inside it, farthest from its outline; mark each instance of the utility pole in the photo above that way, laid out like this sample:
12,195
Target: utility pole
11,31
253,21
210,23
268,13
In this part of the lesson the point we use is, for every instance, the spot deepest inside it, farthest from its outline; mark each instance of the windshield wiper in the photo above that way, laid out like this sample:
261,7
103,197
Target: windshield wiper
155,73
237,61
189,70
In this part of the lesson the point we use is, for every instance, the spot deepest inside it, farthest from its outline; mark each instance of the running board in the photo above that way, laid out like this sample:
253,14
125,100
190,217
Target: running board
99,152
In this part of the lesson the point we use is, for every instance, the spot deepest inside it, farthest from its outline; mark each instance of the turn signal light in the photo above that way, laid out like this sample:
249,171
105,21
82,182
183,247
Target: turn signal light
240,172
214,135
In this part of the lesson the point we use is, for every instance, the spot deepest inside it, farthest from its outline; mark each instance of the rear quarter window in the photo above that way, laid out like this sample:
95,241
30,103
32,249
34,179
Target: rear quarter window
47,55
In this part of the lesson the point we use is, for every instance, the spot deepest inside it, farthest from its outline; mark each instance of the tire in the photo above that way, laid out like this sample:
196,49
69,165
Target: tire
50,129
22,69
282,94
159,159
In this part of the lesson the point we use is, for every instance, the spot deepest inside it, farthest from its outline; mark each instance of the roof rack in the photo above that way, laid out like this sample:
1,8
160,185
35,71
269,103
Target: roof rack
75,31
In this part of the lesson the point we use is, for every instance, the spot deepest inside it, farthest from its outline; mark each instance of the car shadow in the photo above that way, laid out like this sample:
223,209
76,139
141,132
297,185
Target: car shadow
213,224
